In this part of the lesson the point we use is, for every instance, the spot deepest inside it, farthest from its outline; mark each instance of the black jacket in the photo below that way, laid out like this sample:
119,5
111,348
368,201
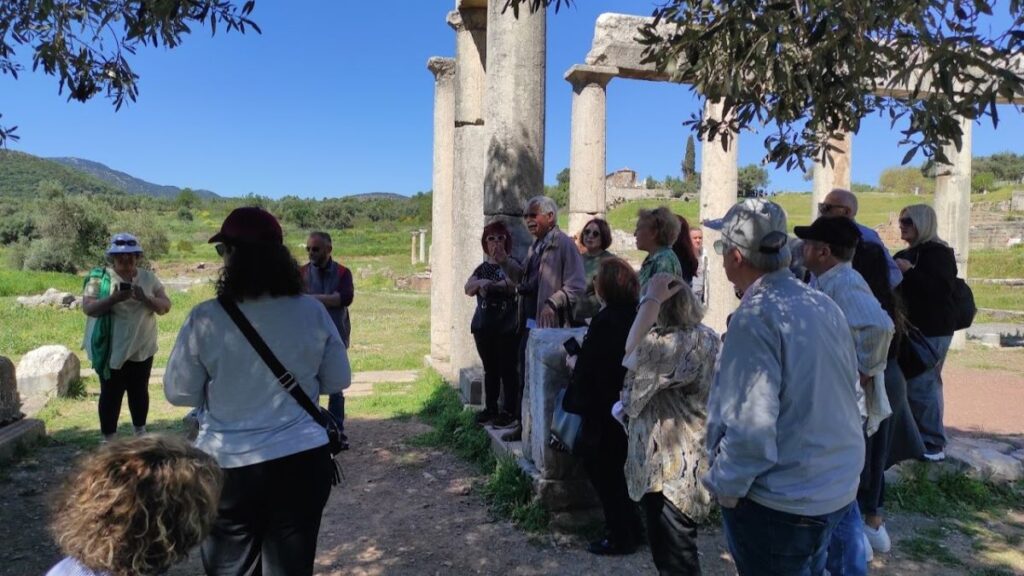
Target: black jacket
598,376
927,288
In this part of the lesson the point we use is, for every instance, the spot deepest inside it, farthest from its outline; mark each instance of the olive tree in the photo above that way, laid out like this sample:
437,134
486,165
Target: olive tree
86,43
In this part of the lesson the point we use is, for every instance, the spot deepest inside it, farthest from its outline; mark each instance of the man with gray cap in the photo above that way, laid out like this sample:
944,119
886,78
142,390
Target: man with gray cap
784,437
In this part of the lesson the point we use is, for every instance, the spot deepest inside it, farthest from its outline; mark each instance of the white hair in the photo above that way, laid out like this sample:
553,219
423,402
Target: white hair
545,204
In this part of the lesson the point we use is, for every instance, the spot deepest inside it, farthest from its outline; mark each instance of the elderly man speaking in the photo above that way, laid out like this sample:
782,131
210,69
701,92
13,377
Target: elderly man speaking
784,436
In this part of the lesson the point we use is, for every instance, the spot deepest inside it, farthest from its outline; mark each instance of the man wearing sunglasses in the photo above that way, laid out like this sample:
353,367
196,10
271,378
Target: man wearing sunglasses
331,284
840,203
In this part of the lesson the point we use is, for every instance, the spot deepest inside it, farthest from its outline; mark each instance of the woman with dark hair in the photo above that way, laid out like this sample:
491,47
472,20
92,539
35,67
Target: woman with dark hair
495,322
683,248
276,463
595,238
929,276
596,383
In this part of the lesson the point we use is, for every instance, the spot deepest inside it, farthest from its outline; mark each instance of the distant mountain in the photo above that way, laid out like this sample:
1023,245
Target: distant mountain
20,175
125,182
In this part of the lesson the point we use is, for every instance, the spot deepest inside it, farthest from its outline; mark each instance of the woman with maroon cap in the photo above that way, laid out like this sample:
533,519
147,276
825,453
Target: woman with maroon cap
276,463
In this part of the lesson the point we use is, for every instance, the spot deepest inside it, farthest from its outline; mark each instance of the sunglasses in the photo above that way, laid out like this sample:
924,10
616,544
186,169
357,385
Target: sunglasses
824,208
125,243
223,250
720,246
497,238
591,232
312,249
906,222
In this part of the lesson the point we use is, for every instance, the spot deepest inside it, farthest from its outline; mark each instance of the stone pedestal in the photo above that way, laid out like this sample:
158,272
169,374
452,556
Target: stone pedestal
442,219
47,371
588,147
10,401
718,192
559,479
835,175
953,207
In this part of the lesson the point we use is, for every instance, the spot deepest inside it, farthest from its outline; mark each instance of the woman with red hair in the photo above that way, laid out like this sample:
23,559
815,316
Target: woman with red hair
496,322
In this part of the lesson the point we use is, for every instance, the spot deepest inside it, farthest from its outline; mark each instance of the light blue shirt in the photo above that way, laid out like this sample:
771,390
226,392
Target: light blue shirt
869,235
71,567
246,416
783,427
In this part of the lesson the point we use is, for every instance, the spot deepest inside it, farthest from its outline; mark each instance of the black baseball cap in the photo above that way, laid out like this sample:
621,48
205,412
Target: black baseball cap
249,225
835,231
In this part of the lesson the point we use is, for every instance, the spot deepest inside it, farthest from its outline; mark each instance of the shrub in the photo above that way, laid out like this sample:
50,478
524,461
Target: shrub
51,255
185,247
184,214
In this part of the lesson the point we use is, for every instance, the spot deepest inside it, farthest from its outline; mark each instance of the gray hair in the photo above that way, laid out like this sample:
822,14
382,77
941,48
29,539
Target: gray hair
682,310
324,236
924,219
545,204
849,199
664,223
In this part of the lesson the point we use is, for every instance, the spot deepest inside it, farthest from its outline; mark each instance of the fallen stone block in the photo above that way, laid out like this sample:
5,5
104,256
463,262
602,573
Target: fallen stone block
10,401
47,371
986,459
52,297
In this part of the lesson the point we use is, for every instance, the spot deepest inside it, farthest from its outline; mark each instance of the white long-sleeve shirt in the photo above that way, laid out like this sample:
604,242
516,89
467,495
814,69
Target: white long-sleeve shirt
247,417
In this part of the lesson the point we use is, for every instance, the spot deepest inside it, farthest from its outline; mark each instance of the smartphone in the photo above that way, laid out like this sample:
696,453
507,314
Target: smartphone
572,347
124,286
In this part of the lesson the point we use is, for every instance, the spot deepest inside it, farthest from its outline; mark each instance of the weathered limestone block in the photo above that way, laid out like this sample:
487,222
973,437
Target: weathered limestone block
10,401
47,372
546,375
52,297
986,459
615,44
1017,201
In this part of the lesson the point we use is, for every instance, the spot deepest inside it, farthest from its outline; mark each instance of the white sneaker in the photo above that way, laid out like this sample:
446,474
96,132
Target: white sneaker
878,538
934,456
869,553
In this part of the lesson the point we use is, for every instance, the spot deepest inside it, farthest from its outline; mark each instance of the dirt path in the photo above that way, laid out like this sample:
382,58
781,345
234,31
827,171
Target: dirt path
403,510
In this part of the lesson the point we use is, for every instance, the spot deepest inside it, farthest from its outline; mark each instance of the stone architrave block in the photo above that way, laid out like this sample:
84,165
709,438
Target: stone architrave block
615,44
986,459
10,401
546,375
47,372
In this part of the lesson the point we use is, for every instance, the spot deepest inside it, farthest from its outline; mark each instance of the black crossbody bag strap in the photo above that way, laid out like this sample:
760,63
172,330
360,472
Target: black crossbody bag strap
284,377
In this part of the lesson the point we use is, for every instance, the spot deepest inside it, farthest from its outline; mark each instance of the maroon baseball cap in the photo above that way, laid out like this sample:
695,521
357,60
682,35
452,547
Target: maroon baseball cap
249,225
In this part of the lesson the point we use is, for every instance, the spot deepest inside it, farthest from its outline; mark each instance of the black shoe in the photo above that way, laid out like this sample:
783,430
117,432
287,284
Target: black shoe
608,548
486,416
513,435
502,420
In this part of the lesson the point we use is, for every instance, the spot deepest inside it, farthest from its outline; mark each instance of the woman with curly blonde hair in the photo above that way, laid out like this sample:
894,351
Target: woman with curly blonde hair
135,508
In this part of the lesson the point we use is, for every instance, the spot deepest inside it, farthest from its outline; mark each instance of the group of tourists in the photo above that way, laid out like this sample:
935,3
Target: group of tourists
787,421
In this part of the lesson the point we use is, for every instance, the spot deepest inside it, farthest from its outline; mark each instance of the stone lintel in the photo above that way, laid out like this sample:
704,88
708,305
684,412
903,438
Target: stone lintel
582,74
441,67
468,19
463,4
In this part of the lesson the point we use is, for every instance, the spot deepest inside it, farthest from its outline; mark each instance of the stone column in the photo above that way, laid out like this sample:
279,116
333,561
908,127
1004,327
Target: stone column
412,248
718,192
441,219
835,175
953,206
588,147
514,114
423,246
470,26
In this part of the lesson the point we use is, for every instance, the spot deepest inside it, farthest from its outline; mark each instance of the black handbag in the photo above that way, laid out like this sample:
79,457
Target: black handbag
565,426
963,299
916,354
335,439
495,317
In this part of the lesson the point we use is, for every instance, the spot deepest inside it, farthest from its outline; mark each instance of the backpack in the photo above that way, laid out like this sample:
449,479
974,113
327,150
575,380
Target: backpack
963,301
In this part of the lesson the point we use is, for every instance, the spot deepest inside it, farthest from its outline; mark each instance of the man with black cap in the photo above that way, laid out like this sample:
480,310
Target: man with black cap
784,438
828,249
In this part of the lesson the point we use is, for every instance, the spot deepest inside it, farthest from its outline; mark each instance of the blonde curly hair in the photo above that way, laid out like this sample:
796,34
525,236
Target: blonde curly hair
136,507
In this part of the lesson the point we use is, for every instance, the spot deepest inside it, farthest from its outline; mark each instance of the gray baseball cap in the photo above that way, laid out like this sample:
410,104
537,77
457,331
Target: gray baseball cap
757,228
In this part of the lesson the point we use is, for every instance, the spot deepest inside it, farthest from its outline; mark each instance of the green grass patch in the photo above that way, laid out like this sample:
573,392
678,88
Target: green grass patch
998,297
997,263
25,283
952,495
924,549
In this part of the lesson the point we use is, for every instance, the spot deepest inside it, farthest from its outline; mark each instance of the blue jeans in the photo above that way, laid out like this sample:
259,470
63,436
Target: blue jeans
847,554
336,408
924,394
766,542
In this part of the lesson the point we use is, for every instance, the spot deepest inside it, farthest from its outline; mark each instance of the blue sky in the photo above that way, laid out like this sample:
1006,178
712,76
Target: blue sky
335,99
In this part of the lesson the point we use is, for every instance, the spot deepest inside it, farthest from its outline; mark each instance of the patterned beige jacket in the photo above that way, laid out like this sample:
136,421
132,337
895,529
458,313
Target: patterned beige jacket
665,399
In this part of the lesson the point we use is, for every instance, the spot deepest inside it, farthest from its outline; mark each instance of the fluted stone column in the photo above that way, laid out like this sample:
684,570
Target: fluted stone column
953,206
441,219
588,147
514,116
470,25
836,175
718,193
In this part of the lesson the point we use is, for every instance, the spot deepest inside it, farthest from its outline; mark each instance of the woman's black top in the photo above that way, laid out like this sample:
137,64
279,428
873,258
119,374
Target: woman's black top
927,288
597,378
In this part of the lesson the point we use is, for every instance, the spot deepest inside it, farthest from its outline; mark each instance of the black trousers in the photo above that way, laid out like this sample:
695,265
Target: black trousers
672,535
132,378
269,517
606,473
499,356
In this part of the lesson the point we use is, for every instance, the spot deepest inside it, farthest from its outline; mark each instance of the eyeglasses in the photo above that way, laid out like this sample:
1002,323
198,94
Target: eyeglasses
125,243
497,238
908,222
312,249
720,246
591,232
824,208
223,249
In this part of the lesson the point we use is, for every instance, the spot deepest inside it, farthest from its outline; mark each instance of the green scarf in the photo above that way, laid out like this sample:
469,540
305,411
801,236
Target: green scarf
99,344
